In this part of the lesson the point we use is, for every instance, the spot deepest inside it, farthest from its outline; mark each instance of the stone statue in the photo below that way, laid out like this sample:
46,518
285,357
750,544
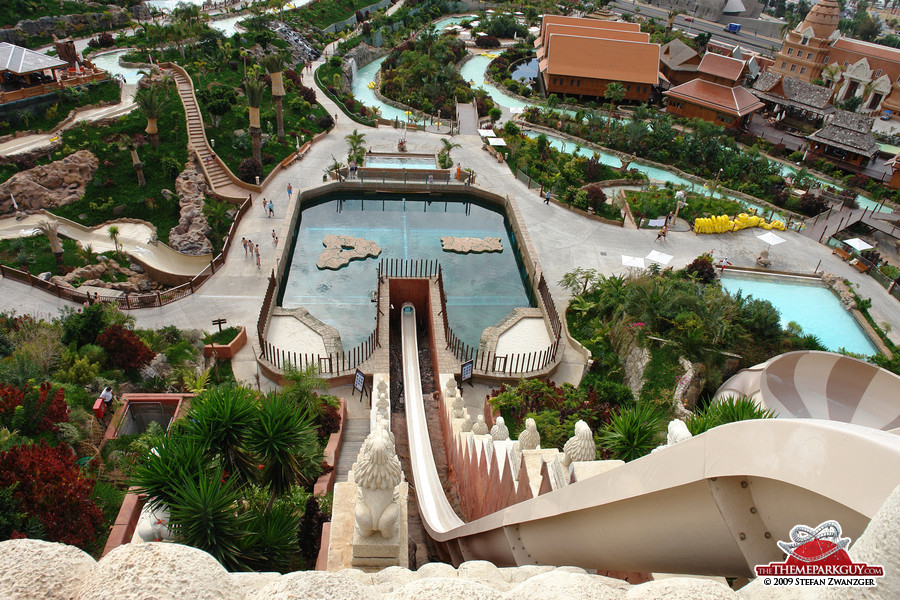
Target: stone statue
529,439
678,432
500,431
467,422
450,390
65,50
480,427
458,408
580,447
377,473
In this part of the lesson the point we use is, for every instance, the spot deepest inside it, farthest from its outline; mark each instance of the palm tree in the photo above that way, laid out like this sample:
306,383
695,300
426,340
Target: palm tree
284,440
152,103
670,20
357,142
50,229
113,232
444,154
300,386
830,74
790,21
274,64
138,167
614,92
254,90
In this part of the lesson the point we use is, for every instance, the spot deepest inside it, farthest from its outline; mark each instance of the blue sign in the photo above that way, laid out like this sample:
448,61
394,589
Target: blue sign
359,381
466,374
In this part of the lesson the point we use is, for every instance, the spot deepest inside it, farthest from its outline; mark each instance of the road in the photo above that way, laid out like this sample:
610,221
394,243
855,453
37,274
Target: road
747,40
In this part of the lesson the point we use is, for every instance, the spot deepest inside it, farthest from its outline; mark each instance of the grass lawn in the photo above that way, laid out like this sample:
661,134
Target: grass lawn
68,98
115,182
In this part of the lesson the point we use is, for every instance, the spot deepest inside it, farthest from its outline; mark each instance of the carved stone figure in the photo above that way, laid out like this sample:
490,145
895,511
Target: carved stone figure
377,473
580,447
480,427
467,422
500,431
677,432
529,439
458,407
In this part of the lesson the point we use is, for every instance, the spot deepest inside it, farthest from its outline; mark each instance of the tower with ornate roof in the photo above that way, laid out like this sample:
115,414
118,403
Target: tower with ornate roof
805,50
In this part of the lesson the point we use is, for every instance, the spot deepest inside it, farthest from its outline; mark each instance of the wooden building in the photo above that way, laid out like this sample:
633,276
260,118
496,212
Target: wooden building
580,57
846,140
728,106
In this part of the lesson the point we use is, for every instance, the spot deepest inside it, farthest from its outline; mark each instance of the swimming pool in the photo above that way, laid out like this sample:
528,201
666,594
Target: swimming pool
809,303
481,289
390,161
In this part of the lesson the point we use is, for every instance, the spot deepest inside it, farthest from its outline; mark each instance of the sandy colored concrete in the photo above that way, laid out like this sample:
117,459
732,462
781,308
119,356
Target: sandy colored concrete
292,334
526,335
134,238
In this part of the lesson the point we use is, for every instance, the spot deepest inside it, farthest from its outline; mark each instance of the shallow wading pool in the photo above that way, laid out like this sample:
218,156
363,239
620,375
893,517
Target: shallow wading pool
481,289
808,302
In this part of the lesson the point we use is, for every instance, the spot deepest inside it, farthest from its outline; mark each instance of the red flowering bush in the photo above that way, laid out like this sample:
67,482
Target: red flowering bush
32,410
51,491
124,349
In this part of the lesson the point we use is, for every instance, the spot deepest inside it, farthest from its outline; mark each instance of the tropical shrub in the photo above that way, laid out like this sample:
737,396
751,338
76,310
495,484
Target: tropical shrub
33,409
727,410
124,349
633,432
701,269
50,490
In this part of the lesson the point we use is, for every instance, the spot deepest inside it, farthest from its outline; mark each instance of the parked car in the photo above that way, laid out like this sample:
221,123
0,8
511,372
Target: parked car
886,115
689,19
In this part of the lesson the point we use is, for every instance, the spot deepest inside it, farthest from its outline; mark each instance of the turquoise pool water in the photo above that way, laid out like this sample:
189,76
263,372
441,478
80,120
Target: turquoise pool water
109,62
789,171
569,146
473,71
481,289
365,95
809,303
401,162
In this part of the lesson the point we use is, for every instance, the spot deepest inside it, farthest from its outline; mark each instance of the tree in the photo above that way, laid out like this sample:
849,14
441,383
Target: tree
284,440
274,64
113,232
444,159
495,114
253,88
50,489
357,142
124,349
152,103
670,19
614,92
50,229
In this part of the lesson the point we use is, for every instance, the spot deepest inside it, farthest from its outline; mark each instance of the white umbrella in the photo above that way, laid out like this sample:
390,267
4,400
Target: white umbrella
495,141
660,257
858,244
770,238
632,261
486,132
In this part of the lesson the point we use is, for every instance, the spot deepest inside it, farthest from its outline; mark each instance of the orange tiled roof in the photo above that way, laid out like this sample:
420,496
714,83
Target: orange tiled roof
592,23
721,66
609,34
730,100
597,58
867,49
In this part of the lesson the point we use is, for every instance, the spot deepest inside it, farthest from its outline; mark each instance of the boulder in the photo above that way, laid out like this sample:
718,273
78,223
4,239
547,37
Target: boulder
49,186
38,570
189,236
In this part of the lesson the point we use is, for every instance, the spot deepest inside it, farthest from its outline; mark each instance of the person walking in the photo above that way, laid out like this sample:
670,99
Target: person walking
660,234
670,218
257,257
271,208
274,238
266,207
244,244
547,197
290,191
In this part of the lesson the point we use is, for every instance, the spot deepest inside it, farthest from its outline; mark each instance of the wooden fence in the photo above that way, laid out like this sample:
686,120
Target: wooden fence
134,301
331,364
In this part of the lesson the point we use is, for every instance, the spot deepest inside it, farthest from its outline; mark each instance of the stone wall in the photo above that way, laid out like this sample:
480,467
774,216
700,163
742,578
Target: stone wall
109,17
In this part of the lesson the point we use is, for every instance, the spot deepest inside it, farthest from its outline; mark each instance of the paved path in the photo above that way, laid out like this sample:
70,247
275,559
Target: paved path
467,116
32,142
563,240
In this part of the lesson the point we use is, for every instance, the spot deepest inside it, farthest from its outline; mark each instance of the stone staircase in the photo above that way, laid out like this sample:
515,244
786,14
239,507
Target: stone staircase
217,173
355,432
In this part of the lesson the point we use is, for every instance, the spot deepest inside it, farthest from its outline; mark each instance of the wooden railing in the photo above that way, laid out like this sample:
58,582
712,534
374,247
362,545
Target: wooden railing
46,88
266,310
397,267
331,364
134,301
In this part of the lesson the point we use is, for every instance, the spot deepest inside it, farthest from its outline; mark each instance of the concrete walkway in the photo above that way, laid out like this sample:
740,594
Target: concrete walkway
45,140
564,240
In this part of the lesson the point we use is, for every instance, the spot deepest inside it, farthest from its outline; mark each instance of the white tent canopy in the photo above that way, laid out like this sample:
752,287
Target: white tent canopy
632,261
858,244
770,238
495,141
660,257
486,132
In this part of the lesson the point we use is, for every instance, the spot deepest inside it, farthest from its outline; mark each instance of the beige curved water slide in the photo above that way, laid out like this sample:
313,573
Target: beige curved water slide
712,505
134,239
821,385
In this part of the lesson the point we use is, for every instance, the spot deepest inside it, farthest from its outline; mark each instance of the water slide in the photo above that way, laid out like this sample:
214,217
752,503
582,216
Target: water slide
821,385
712,505
134,239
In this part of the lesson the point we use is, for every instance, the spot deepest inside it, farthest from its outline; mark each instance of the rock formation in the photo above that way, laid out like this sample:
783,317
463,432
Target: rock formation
341,249
471,245
49,186
90,275
189,236
377,473
500,431
580,447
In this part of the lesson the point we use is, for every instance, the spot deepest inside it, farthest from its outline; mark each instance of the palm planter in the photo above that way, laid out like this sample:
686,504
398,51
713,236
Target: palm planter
227,351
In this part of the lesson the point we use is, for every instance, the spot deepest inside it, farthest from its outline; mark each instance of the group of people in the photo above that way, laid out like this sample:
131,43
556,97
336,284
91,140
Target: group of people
664,230
269,207
250,249
91,299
